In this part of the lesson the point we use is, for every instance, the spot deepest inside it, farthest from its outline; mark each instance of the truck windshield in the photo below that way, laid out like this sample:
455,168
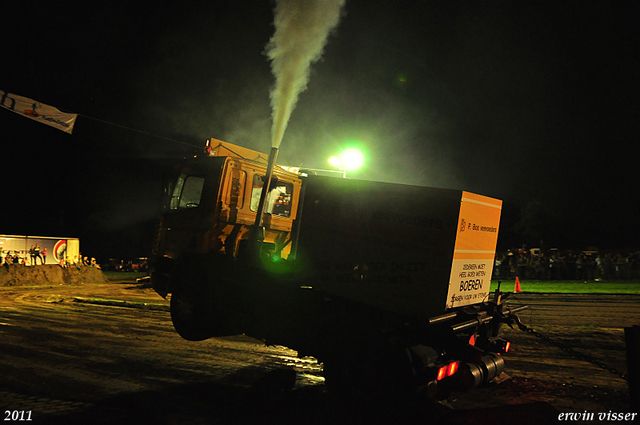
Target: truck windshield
187,192
278,199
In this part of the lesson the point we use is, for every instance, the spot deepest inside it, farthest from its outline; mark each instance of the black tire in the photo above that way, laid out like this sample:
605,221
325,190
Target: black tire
189,322
190,310
205,302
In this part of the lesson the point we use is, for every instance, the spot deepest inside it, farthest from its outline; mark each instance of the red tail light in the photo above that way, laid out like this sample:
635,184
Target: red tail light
453,368
472,340
447,370
500,346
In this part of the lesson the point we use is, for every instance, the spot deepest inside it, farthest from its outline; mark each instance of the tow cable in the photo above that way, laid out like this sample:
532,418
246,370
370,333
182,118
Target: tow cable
573,353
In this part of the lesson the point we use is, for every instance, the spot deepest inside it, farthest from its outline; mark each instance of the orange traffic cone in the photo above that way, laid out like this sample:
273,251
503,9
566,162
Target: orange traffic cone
518,289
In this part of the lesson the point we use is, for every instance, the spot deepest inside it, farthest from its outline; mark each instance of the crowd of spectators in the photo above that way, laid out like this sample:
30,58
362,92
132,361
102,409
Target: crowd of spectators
30,258
7,258
566,265
78,262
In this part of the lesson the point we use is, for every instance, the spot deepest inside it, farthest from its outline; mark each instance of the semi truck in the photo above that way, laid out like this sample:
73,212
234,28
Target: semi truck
387,285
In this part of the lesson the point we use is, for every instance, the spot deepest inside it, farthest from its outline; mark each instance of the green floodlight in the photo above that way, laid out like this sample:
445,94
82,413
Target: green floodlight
351,159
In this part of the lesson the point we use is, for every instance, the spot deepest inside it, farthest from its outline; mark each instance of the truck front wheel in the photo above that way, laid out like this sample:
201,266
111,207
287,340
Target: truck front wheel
189,311
188,320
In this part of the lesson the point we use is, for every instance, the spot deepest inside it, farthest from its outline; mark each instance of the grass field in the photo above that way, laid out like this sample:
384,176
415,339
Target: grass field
571,286
507,285
123,276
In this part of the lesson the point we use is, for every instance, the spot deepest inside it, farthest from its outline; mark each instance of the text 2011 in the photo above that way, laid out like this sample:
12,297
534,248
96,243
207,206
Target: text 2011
17,415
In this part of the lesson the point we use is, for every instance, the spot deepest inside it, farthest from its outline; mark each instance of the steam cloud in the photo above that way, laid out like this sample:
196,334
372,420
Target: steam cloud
302,27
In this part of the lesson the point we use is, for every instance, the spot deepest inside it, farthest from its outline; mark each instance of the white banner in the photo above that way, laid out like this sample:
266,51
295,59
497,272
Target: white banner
38,111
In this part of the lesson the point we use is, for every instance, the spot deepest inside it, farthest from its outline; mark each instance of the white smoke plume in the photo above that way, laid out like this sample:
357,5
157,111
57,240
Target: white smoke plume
302,27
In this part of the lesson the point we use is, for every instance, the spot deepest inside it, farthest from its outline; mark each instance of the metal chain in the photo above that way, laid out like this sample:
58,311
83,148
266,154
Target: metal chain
576,354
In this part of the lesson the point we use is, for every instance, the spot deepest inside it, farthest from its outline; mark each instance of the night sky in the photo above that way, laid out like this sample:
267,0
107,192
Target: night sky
535,103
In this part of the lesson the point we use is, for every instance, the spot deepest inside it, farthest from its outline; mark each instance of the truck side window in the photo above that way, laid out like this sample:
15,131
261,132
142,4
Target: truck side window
235,195
187,192
278,199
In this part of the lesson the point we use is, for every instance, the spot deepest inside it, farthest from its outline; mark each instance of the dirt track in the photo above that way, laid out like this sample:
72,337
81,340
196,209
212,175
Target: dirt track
16,275
69,356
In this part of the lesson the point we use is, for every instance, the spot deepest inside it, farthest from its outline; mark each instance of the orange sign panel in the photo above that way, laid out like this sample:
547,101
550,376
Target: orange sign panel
474,250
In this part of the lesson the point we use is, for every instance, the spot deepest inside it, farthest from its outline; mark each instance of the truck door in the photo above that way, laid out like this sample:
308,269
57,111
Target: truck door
189,209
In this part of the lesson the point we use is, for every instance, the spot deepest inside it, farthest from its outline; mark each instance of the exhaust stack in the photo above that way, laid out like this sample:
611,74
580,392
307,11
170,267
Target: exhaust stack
257,234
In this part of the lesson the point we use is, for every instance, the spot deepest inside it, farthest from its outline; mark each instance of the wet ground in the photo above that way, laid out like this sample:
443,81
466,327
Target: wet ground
107,353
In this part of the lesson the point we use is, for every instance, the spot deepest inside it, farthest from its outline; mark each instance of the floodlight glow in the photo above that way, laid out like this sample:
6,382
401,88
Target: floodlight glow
351,159
335,161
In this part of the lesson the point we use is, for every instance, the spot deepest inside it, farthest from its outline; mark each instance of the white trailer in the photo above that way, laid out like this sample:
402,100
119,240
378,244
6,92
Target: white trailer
57,249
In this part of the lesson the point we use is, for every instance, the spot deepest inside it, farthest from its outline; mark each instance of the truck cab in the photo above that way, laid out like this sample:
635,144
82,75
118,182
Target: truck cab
210,206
